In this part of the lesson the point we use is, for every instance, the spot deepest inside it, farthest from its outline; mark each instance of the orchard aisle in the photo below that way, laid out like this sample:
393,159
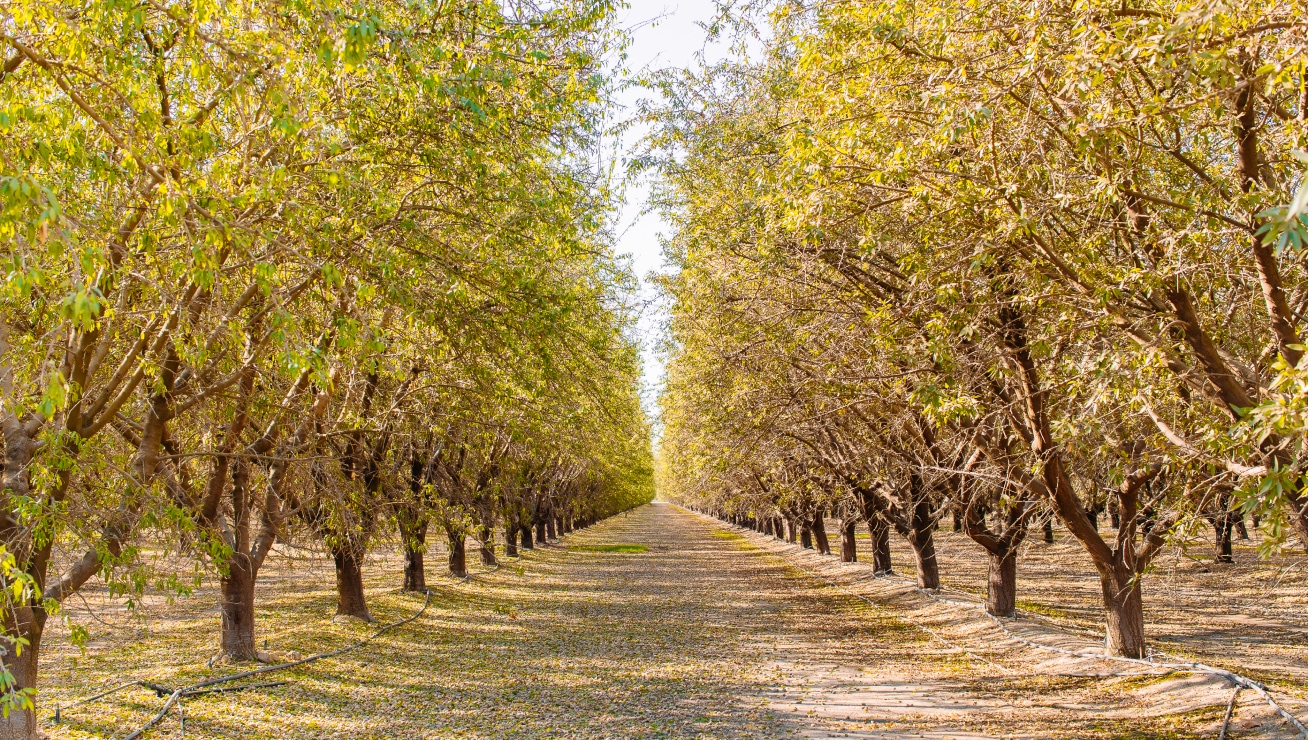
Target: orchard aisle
654,624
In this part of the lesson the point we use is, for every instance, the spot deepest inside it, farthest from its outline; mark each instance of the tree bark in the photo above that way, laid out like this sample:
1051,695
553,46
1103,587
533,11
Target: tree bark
806,536
922,539
527,543
350,601
792,531
414,536
540,532
458,555
488,546
820,533
880,532
550,532
1223,524
1124,635
1049,529
237,588
511,540
848,544
22,724
1001,586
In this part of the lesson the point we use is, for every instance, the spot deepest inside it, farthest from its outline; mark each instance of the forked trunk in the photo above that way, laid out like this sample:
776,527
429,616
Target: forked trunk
879,530
237,587
527,543
1001,587
848,545
488,546
820,533
350,601
1124,636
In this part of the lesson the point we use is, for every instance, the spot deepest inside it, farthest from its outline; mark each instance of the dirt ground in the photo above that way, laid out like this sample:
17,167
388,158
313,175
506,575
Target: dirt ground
709,632
1251,614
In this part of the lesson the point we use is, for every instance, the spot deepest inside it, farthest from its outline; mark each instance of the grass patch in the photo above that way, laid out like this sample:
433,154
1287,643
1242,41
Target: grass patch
1044,610
723,535
610,548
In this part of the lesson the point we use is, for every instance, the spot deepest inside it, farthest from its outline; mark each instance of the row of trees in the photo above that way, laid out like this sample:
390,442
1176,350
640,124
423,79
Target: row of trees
313,270
998,261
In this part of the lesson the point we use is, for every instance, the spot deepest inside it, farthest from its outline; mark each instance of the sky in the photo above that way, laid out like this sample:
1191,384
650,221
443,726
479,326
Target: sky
665,34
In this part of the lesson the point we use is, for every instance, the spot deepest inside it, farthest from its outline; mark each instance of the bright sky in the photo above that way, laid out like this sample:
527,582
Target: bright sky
664,34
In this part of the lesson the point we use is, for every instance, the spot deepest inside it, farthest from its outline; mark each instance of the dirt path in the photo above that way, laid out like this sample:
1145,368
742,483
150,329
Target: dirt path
707,633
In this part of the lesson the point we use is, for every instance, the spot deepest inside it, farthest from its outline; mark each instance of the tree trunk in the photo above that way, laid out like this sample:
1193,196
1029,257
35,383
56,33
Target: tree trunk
792,531
1001,587
820,533
458,555
880,531
511,540
1239,525
350,601
414,537
488,546
848,545
1223,524
1049,529
22,724
928,570
540,532
237,588
527,544
922,538
550,532
806,536
1124,635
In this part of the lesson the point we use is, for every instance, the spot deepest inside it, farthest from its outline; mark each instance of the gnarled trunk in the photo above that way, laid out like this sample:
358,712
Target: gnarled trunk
350,601
848,543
